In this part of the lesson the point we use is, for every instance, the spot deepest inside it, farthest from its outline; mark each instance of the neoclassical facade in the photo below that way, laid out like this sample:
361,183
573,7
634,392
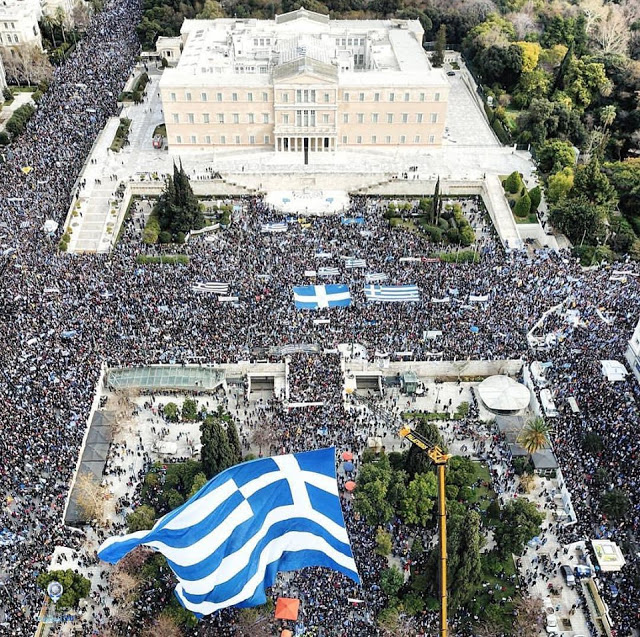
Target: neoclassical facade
303,83
19,23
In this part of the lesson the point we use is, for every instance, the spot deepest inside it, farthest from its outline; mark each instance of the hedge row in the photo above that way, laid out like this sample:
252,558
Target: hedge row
18,121
165,259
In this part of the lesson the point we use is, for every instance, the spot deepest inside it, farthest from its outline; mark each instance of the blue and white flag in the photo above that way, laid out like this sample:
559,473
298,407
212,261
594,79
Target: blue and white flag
227,543
376,277
328,271
352,221
392,293
210,287
313,297
274,227
352,263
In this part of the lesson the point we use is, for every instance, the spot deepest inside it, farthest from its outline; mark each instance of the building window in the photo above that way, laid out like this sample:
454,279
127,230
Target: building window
419,118
220,118
178,139
188,96
434,118
360,118
345,118
432,139
207,139
267,139
203,97
265,97
374,139
193,139
344,139
387,139
265,118
234,97
176,118
15,37
362,97
325,118
376,97
389,118
223,139
249,97
345,97
250,116
252,139
403,139
173,97
219,97
374,118
190,118
236,118
417,139
285,118
326,97
205,118
405,118
237,139
407,96
392,97
422,97
436,97
285,97
359,139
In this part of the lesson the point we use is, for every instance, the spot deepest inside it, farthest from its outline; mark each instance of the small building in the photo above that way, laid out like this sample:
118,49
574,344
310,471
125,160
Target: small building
19,23
409,383
633,352
608,555
169,48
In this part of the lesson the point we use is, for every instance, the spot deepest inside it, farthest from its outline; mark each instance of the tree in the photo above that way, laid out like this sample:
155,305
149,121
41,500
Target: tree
502,65
383,542
530,55
592,443
522,207
60,19
80,16
535,195
534,435
417,506
528,616
513,183
615,504
417,460
533,84
171,412
594,185
164,625
91,496
437,59
559,185
198,482
234,442
371,494
520,521
217,454
74,585
435,209
142,519
554,155
190,410
124,586
625,178
211,10
585,80
178,209
391,581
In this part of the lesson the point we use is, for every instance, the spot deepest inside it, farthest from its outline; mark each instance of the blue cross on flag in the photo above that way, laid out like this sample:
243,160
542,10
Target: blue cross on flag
314,297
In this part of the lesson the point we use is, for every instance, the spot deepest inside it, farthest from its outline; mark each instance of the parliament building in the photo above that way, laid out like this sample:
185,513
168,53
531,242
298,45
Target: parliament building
302,83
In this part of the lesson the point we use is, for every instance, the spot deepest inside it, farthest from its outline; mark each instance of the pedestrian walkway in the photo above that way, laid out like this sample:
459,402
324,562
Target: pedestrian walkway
501,213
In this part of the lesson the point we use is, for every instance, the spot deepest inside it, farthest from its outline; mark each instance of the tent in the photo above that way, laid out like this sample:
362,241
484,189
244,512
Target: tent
350,486
613,370
348,467
287,608
347,455
503,394
608,555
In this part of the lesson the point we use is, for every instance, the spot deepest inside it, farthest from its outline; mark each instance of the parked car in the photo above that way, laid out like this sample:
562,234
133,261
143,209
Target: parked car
451,73
567,573
551,625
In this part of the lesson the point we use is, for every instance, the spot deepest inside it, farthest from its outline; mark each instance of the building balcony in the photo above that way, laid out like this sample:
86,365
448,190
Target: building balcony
304,131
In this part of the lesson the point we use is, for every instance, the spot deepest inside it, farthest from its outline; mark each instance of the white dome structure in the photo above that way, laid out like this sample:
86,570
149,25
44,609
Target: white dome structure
503,395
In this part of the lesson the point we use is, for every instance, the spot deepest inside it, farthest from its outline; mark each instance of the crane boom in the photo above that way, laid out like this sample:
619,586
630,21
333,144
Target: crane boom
439,458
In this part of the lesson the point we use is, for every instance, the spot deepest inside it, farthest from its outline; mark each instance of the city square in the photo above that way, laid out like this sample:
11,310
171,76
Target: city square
326,296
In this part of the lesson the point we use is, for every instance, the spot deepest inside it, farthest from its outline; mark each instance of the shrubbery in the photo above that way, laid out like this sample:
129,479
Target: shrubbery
522,207
513,183
18,121
164,259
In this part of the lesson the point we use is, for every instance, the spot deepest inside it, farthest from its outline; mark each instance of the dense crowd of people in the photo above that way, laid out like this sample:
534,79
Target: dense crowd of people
63,315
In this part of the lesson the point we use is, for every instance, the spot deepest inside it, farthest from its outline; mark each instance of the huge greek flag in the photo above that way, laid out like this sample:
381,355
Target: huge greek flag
227,543
392,293
313,297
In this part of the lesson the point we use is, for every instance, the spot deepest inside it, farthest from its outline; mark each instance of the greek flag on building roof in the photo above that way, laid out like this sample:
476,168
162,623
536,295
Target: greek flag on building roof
227,543
313,297
392,293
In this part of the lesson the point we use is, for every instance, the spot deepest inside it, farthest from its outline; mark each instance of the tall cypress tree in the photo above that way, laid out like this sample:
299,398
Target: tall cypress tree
562,70
435,203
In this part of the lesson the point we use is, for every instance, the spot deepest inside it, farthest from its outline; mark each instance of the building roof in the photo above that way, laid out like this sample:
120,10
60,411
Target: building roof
249,52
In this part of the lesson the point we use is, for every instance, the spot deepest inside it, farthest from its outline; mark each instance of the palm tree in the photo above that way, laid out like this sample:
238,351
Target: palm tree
534,435
607,115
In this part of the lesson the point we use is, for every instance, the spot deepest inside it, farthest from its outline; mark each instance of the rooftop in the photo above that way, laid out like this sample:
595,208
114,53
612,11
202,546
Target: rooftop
249,52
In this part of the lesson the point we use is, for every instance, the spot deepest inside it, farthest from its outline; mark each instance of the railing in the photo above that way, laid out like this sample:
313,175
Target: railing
305,131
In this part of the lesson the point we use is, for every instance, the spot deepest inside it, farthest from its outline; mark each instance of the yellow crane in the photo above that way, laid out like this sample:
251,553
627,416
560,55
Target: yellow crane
440,460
